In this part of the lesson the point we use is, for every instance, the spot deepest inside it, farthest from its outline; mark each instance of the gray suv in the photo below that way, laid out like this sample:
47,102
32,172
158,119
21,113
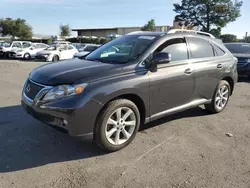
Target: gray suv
134,79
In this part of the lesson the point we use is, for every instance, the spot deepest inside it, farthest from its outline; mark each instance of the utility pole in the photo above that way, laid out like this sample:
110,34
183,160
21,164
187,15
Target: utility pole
246,36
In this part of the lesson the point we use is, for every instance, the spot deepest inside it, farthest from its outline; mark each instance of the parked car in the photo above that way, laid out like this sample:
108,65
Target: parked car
61,42
4,50
108,97
27,51
242,52
56,53
86,50
79,46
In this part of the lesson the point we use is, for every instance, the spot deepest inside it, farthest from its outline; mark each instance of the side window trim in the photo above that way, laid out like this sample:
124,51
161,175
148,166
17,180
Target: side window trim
177,61
215,45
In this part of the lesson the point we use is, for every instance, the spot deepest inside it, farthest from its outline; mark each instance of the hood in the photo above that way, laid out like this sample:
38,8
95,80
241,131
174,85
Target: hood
5,49
81,54
243,59
16,49
66,72
44,52
241,55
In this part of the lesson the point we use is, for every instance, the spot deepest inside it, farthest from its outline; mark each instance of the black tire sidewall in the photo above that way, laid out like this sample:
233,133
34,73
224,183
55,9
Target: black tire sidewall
26,55
55,58
214,97
101,125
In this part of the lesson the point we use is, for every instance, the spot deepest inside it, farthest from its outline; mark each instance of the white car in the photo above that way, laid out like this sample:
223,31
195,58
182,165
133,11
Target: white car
4,50
57,52
27,51
86,50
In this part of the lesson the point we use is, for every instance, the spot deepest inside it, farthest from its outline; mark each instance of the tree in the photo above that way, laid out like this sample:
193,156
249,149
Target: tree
208,14
15,28
65,30
150,26
228,38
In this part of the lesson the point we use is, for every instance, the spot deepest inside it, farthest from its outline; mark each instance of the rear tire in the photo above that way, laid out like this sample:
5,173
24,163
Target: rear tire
220,98
55,58
117,125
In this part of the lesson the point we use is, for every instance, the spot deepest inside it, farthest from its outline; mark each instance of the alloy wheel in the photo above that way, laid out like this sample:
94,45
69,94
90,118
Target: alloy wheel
222,97
120,126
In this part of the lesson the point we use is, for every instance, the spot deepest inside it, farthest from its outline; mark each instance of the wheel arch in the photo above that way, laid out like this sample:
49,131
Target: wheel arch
231,83
132,97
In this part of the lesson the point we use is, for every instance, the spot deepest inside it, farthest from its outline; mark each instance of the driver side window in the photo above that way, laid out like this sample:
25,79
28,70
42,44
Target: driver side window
177,48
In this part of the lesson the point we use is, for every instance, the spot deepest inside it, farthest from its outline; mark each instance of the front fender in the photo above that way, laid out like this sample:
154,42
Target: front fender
104,91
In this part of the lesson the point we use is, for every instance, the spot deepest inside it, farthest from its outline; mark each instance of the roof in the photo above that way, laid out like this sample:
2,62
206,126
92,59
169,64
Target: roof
147,33
112,28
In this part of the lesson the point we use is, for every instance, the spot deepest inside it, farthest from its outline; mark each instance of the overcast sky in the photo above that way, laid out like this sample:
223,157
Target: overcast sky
45,16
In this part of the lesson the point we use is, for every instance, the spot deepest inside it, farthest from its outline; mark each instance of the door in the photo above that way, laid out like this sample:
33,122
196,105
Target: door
208,66
63,52
172,85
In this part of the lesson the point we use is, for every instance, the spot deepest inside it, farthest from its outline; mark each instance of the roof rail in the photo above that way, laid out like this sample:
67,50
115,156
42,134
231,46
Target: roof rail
190,31
135,32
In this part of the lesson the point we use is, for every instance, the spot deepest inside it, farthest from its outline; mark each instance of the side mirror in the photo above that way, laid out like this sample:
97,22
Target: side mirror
161,58
31,48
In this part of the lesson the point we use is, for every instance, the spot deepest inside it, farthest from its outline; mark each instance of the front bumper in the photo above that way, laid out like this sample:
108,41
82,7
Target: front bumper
43,57
74,115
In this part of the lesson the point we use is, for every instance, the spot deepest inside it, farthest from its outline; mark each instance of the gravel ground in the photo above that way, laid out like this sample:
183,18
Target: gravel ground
185,150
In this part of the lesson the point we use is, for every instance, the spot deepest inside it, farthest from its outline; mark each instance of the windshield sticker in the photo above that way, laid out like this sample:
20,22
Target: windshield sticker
147,37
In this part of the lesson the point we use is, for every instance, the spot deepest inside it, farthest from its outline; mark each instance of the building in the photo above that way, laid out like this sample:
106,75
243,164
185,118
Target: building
112,32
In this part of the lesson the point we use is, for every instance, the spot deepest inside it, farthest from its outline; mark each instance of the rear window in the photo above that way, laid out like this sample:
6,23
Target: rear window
238,48
218,51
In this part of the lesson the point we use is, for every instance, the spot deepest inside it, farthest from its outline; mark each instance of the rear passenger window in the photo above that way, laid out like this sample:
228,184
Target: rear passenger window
176,47
200,48
218,51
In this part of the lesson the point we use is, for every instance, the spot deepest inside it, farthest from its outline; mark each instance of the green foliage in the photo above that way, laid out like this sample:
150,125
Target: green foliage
15,28
150,26
65,30
228,38
216,32
246,39
208,14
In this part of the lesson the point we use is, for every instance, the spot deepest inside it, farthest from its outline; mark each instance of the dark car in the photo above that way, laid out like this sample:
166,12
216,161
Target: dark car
242,52
132,80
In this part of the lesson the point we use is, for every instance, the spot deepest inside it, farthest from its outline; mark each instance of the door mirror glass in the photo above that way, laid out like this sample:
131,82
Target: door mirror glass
161,58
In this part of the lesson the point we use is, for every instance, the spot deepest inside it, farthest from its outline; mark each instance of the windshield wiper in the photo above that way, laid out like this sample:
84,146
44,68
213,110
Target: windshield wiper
96,60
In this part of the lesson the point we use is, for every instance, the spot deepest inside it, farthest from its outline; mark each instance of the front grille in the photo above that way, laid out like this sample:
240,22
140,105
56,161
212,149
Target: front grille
12,53
243,59
31,89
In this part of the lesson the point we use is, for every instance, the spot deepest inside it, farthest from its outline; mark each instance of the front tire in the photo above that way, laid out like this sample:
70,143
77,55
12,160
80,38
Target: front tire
55,58
26,56
220,98
117,125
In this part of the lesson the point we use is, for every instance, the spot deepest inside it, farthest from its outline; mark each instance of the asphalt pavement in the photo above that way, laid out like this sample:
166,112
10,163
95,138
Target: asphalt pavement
185,150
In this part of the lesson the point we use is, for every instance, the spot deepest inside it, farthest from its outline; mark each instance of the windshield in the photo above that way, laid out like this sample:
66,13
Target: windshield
122,49
239,48
4,44
26,45
54,47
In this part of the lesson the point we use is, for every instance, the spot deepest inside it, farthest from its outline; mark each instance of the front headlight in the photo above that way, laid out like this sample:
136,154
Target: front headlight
62,91
19,50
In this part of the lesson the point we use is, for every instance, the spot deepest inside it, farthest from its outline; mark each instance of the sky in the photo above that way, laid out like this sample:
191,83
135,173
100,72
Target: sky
45,16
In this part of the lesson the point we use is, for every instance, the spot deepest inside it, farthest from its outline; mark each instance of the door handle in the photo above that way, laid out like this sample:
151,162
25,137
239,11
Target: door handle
189,71
219,66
